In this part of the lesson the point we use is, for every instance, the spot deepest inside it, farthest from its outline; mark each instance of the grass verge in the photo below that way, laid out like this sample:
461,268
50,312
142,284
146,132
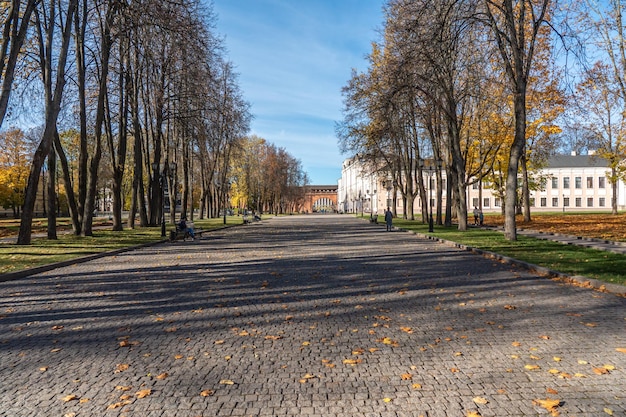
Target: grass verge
44,252
568,259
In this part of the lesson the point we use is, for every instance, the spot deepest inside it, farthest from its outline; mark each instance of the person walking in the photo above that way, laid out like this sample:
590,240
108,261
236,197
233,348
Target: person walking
389,219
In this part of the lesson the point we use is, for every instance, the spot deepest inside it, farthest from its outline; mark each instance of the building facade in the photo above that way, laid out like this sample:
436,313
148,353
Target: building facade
568,183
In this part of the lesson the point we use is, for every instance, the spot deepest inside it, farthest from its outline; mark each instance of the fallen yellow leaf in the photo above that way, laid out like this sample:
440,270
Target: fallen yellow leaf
70,397
406,377
121,367
480,400
600,371
227,382
417,386
143,393
387,400
548,404
162,376
532,367
473,414
206,393
623,350
123,387
118,405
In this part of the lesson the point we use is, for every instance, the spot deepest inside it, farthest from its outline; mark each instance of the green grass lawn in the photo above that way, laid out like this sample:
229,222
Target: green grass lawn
568,259
43,251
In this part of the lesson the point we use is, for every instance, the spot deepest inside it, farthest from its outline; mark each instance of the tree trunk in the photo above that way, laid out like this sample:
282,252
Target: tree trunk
53,107
525,189
517,151
80,25
67,182
614,191
94,164
52,195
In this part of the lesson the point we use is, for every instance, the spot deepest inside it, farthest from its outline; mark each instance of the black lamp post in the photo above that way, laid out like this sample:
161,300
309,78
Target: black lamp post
371,195
168,169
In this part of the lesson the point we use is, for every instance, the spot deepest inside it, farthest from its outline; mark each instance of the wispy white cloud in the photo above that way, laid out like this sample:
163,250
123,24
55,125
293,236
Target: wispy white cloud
293,58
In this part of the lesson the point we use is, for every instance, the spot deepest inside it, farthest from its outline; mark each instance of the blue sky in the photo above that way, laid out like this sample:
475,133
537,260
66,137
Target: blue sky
293,57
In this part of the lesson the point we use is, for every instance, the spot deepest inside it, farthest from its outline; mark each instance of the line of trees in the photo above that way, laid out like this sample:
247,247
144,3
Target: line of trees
475,84
137,96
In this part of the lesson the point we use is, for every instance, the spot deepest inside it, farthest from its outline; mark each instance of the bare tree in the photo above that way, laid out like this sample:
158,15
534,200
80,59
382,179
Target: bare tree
16,15
48,18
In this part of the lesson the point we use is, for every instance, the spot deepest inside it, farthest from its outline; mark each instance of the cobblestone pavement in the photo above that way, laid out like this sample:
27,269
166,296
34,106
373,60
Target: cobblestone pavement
307,315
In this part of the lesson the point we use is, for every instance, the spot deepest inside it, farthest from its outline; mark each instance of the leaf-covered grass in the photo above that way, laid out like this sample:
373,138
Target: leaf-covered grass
43,251
568,259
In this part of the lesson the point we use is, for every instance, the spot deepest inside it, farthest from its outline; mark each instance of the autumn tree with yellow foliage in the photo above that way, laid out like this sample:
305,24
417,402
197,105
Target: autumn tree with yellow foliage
14,169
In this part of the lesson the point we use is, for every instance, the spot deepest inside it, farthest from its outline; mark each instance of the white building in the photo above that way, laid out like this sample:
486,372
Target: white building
570,182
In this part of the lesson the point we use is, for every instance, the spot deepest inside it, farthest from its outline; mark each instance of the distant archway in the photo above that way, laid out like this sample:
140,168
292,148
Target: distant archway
320,198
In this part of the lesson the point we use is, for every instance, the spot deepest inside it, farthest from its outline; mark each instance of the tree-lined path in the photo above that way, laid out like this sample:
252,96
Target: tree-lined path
307,315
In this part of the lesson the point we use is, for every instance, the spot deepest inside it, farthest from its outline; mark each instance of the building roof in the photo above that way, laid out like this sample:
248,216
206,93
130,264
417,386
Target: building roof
577,161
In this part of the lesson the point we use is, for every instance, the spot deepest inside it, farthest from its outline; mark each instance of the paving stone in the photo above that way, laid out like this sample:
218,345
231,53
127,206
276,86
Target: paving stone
306,315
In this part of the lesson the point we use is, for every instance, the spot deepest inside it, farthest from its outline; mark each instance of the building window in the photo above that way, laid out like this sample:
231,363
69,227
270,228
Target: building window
555,182
532,201
496,202
486,202
555,201
602,202
578,182
544,202
475,186
566,202
601,182
579,202
590,202
589,182
475,202
565,182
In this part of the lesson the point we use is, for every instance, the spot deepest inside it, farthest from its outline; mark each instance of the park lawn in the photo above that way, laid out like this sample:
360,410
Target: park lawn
588,224
42,251
569,259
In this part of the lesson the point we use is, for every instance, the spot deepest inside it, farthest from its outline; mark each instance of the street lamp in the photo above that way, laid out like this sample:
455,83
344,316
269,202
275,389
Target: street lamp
371,195
389,185
434,166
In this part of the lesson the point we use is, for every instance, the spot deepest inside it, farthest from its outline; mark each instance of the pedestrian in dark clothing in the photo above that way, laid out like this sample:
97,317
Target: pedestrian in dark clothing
389,219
